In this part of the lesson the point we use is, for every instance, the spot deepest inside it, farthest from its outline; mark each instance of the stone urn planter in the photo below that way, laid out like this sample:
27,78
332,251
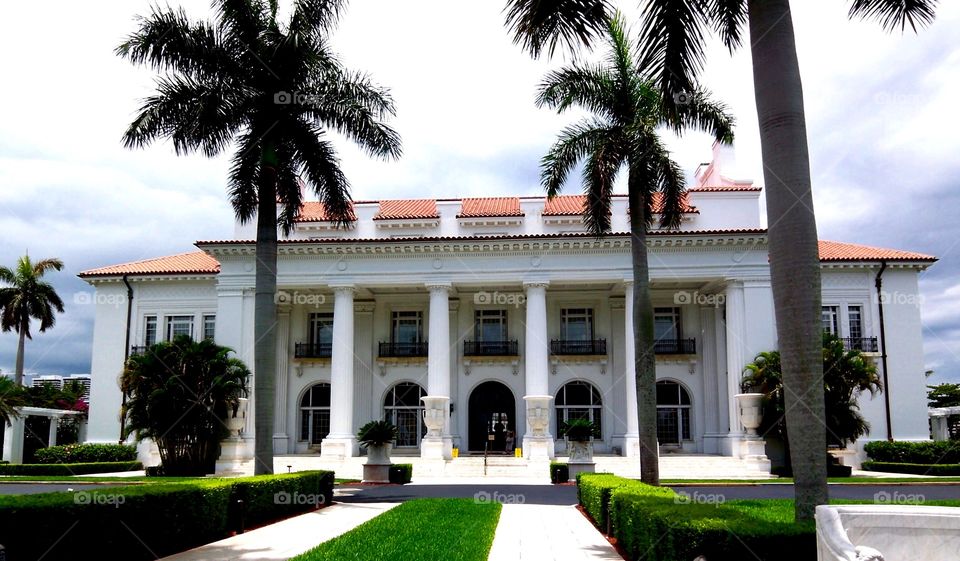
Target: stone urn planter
538,413
377,437
434,414
237,420
579,434
751,412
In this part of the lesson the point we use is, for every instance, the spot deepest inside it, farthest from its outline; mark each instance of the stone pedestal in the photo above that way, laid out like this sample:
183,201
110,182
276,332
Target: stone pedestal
376,473
538,448
753,452
345,447
235,457
436,448
436,445
580,467
538,443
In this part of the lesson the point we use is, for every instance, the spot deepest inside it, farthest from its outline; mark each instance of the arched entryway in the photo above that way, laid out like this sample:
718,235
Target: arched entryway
492,413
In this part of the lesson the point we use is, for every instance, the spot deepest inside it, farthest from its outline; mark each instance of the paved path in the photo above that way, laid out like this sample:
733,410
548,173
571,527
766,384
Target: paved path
287,538
535,532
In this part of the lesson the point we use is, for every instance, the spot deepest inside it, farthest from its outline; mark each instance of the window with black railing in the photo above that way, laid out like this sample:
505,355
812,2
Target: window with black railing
396,349
490,348
138,349
675,346
312,350
862,344
578,347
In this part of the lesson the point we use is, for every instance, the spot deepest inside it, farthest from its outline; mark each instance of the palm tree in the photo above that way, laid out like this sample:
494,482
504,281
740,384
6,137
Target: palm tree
673,44
623,133
27,298
275,91
12,397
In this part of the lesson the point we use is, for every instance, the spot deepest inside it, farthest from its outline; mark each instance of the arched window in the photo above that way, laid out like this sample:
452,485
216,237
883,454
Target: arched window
403,408
673,413
579,400
315,414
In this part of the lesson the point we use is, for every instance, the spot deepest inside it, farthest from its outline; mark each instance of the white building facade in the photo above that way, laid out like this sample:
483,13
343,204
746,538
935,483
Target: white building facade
506,308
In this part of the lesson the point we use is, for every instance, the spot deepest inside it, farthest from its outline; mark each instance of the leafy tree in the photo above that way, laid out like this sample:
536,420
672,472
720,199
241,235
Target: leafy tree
673,46
944,395
622,133
180,394
28,298
274,90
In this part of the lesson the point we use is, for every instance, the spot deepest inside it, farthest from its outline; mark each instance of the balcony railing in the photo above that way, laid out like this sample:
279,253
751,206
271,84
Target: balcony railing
312,350
138,349
490,348
589,347
863,344
397,350
675,347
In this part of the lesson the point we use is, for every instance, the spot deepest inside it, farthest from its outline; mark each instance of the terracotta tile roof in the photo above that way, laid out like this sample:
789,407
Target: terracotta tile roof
407,209
571,205
840,251
490,207
315,211
720,188
194,262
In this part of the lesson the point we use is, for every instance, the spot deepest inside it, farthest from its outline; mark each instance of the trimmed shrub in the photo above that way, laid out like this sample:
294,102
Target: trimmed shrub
559,472
148,521
401,473
86,453
593,492
914,469
68,469
940,452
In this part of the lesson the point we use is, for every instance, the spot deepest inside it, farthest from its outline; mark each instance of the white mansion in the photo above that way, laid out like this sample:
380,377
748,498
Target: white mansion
504,308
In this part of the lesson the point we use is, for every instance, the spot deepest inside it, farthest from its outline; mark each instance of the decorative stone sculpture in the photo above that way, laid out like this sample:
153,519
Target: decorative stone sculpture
750,411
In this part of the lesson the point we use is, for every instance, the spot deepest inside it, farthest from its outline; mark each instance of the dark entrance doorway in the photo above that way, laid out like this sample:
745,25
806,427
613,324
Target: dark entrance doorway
492,412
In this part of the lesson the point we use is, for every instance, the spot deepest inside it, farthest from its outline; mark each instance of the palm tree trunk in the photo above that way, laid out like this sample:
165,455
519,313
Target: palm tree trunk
265,321
18,373
645,358
794,259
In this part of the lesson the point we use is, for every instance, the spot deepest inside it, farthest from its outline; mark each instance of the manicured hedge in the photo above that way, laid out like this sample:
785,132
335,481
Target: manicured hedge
559,472
86,453
656,523
401,473
916,469
149,521
940,452
68,469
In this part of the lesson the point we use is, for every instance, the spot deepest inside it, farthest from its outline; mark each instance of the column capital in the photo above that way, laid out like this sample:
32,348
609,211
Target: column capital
733,283
628,283
434,286
343,288
536,284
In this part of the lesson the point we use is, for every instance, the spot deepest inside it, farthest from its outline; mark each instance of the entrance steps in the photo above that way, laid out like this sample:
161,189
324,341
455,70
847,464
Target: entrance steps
693,466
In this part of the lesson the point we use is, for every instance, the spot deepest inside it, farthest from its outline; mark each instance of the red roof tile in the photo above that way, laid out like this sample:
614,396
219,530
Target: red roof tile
719,188
571,205
490,207
315,211
407,209
840,251
195,262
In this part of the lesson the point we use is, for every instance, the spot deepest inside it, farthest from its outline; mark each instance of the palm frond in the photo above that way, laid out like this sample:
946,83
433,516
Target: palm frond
540,25
577,85
321,168
289,193
729,20
242,21
575,143
599,173
313,17
44,265
671,185
244,173
701,112
893,14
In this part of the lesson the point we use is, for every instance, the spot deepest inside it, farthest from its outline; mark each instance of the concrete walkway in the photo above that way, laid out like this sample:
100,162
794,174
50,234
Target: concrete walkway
534,532
287,538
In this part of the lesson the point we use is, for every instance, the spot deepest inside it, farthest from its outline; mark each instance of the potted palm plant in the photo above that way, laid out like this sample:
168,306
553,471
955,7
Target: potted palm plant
579,434
377,438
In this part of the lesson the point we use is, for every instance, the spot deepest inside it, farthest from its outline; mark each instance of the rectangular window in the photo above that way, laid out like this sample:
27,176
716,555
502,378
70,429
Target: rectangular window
407,327
576,324
321,329
830,319
666,324
179,325
209,326
491,325
855,317
150,331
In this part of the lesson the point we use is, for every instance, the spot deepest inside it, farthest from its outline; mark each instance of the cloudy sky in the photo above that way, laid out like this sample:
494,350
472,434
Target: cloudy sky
880,108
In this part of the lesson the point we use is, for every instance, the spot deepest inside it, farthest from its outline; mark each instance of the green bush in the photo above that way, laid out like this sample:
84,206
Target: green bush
68,469
149,521
593,492
559,472
915,469
401,473
940,452
85,453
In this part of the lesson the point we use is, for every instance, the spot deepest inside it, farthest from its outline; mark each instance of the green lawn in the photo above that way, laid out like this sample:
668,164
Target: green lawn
789,480
443,529
115,480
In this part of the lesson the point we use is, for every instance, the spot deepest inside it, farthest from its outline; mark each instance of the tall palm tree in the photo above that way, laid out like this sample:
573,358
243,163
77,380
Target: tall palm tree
28,298
273,90
623,133
673,43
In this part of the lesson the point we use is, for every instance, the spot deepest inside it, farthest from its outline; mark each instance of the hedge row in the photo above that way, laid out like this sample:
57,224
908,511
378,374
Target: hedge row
86,453
559,472
940,452
151,521
656,523
68,469
915,469
401,473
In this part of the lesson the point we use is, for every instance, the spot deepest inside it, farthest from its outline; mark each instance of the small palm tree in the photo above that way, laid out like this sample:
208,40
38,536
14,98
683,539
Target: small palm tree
28,298
12,397
623,132
275,91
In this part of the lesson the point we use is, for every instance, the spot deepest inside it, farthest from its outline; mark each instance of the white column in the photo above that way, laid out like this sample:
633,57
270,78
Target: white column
537,442
735,334
52,432
438,444
632,437
280,439
341,442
